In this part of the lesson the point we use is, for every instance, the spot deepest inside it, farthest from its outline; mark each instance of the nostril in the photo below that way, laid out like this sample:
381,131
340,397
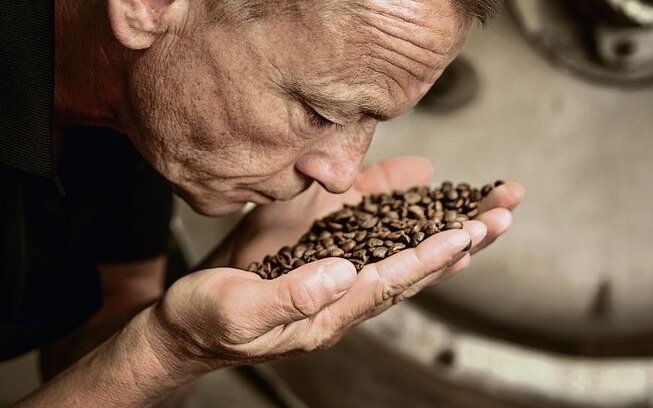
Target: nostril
331,176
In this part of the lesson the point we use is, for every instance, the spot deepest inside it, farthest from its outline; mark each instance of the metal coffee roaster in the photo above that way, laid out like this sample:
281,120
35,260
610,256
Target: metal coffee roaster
561,315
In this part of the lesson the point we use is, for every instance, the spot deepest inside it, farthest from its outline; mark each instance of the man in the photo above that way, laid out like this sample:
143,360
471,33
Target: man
230,101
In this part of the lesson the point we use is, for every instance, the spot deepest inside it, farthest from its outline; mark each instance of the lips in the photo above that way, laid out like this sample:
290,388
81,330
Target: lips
261,198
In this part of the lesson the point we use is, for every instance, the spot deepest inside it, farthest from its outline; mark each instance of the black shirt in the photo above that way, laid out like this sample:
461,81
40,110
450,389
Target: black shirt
99,201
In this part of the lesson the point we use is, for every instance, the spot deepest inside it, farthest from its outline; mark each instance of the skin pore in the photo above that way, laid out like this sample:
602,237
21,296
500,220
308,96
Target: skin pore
255,110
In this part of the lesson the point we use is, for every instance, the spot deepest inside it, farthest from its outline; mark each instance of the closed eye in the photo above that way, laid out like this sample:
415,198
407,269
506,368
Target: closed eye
319,121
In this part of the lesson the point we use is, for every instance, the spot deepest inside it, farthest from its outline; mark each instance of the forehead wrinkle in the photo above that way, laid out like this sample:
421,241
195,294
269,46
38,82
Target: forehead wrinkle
407,44
427,24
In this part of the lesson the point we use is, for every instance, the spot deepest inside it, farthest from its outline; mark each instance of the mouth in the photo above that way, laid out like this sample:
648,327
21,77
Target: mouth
261,198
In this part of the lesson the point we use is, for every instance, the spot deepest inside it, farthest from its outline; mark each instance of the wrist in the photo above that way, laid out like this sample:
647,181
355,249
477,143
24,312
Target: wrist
136,367
168,349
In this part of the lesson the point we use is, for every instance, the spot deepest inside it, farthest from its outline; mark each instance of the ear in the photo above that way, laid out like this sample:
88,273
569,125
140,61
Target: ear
136,24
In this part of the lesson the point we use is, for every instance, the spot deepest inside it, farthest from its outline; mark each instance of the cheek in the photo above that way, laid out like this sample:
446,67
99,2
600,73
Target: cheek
211,125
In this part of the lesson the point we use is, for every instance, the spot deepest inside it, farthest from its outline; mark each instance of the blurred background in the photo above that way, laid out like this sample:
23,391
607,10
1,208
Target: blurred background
558,95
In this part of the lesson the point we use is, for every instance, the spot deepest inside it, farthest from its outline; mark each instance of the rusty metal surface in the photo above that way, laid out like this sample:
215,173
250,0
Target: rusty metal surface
594,50
362,371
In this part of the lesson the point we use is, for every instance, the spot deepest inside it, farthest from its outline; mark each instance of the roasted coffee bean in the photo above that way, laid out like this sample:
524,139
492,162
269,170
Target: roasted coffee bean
335,226
371,208
398,247
286,261
412,198
431,228
450,216
374,242
394,235
452,195
417,238
360,236
326,242
416,211
361,254
299,251
393,215
336,252
380,226
380,252
360,245
348,245
453,225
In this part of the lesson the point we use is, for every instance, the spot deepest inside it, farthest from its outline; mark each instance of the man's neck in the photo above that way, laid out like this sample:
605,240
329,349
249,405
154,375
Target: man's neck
89,80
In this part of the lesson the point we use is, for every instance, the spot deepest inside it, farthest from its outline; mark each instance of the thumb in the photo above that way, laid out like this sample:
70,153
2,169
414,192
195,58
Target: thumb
303,292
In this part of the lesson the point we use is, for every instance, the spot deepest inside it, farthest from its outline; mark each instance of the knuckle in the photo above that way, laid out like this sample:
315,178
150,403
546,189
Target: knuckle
383,289
303,299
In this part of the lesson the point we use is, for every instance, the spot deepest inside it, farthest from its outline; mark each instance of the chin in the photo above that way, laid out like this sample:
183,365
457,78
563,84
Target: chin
216,208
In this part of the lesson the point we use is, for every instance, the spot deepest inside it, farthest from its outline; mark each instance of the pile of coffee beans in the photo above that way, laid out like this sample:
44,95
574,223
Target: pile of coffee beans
379,226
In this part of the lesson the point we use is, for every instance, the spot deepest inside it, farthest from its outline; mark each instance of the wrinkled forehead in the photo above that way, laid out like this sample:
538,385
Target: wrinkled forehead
377,57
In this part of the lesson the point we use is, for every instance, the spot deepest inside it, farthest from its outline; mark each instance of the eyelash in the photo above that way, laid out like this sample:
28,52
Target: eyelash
320,121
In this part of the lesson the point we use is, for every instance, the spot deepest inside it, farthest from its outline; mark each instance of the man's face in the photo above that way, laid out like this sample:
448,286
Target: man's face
257,111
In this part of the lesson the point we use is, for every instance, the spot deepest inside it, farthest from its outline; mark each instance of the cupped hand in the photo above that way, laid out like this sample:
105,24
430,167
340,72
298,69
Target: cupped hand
226,316
267,228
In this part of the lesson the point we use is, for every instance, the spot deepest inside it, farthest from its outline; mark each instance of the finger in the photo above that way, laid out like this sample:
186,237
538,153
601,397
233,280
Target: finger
460,262
453,269
436,279
477,232
380,282
398,173
301,293
507,195
497,221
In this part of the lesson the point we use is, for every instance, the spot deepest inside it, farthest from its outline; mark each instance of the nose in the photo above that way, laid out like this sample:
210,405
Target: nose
335,164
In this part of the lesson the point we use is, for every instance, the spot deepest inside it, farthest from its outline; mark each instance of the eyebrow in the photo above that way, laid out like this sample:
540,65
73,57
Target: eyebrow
348,107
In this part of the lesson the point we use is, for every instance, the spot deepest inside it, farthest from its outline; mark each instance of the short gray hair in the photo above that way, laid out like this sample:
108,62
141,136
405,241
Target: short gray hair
483,10
225,11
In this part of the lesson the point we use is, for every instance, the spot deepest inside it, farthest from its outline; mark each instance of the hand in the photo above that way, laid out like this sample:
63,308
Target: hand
228,316
266,229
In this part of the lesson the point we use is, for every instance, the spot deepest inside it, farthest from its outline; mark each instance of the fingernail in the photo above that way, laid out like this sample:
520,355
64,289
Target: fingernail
342,274
468,247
